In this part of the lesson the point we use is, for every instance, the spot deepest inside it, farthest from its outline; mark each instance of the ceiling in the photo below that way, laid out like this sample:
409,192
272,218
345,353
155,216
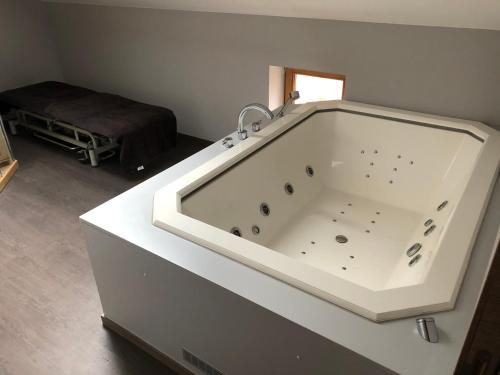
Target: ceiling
477,14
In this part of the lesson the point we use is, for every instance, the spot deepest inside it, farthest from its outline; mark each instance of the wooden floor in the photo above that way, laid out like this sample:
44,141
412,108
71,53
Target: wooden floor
49,307
481,352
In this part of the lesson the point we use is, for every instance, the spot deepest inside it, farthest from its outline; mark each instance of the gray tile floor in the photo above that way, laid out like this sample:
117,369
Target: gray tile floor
49,306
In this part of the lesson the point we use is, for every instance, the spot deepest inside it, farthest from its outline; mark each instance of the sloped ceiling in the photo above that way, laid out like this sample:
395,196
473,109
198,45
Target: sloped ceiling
478,14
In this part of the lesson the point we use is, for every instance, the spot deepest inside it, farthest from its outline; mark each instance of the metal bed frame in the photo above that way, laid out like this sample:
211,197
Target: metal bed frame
88,145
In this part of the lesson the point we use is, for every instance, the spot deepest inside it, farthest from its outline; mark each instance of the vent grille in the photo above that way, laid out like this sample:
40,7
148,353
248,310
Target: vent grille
200,364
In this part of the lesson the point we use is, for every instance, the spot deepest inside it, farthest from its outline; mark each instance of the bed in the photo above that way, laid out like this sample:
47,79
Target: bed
93,124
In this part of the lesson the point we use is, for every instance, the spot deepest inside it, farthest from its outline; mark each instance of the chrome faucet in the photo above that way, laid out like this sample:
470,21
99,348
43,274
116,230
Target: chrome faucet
242,133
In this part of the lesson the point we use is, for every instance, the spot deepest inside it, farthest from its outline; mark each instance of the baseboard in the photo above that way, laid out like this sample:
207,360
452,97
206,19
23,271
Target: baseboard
148,348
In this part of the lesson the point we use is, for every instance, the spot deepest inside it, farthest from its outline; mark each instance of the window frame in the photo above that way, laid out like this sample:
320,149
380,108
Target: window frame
290,74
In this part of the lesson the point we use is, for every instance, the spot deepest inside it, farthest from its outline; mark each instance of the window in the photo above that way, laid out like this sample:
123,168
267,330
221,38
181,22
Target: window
313,86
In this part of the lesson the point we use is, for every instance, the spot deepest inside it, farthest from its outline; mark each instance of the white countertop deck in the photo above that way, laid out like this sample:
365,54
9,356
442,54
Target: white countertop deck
393,344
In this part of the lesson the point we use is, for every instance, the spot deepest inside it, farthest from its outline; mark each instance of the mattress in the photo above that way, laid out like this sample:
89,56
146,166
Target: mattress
144,131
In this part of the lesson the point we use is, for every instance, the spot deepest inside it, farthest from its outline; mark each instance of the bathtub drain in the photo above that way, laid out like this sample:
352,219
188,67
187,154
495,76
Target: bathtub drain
341,239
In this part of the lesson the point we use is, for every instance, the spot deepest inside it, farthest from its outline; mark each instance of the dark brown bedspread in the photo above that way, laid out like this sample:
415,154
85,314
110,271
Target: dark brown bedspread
143,131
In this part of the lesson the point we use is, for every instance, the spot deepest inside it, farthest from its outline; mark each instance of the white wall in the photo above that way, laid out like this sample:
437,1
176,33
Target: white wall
276,86
27,50
207,66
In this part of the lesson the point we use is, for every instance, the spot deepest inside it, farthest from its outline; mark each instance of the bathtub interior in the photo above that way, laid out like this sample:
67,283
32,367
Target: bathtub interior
346,193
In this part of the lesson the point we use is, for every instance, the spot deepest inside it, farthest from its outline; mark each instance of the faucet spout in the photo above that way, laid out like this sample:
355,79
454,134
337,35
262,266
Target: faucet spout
242,133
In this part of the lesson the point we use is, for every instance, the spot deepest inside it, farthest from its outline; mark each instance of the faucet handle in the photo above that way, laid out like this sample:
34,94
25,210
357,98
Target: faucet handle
227,142
242,135
256,126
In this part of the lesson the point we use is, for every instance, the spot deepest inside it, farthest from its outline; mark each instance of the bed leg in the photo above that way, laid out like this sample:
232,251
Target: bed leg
94,158
13,126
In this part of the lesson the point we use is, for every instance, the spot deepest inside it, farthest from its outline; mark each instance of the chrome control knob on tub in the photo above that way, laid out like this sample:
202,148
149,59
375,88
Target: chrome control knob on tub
256,126
228,142
242,134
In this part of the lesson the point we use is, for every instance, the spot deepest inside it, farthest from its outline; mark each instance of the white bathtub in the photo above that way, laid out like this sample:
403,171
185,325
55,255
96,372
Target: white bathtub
332,197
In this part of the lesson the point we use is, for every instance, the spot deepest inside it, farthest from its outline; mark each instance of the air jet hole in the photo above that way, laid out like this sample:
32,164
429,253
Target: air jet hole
313,243
391,182
415,248
429,230
367,231
289,188
442,205
255,229
309,171
236,231
264,209
367,176
303,252
342,212
373,221
414,260
344,268
351,256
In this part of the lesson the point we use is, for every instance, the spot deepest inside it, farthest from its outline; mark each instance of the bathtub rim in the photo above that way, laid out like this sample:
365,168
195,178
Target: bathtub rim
375,305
